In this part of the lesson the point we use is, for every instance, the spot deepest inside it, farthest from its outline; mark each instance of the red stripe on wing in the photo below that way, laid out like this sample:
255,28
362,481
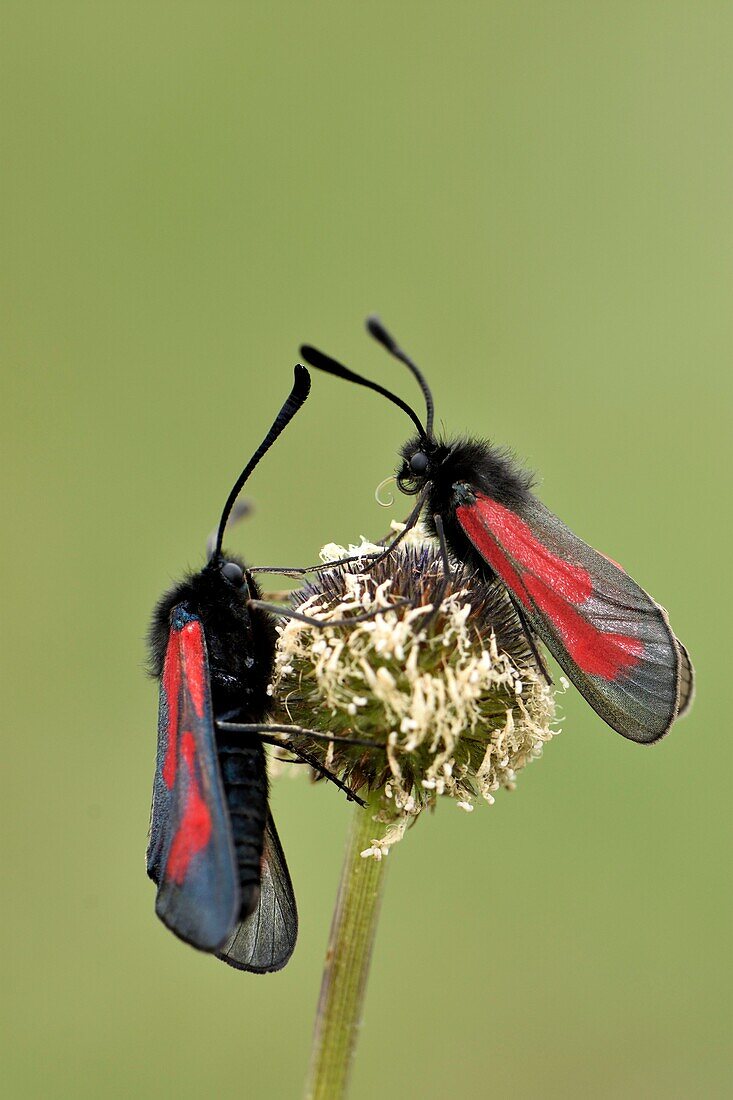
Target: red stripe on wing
598,653
555,586
192,652
569,580
490,550
194,830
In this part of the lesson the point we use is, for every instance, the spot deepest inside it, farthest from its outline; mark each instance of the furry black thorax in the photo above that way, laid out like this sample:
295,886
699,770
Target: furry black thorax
240,639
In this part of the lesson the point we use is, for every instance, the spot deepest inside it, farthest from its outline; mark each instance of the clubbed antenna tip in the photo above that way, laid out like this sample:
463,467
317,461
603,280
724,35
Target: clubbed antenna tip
376,329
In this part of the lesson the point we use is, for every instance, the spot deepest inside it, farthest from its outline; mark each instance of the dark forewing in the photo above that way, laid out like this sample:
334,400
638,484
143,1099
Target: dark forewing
266,939
190,854
609,636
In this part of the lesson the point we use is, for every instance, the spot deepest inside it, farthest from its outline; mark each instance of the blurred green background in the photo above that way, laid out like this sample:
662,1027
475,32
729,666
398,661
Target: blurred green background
537,198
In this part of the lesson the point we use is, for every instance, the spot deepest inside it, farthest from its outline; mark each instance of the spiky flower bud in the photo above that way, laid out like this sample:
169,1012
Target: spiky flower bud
452,701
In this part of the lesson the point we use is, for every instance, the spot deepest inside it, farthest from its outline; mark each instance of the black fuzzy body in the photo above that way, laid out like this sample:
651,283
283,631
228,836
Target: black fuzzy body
458,470
240,643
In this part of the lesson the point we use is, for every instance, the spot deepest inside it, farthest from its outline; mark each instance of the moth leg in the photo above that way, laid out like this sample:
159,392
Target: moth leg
262,728
442,587
411,522
298,571
531,642
289,613
385,538
305,757
373,558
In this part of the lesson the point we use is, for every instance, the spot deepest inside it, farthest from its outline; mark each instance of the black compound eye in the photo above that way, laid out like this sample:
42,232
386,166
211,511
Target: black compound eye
233,573
419,462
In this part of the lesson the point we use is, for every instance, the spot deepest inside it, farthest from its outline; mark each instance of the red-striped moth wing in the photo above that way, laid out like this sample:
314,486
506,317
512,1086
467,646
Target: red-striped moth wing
613,641
191,853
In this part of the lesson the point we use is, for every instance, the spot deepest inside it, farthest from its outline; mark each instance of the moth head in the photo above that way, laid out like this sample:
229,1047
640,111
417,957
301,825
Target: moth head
418,464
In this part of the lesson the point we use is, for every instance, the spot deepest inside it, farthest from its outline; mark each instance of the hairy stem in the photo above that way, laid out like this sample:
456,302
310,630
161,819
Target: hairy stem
346,968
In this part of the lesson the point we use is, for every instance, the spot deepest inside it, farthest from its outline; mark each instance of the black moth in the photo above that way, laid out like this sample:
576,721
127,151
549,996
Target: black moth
214,853
610,637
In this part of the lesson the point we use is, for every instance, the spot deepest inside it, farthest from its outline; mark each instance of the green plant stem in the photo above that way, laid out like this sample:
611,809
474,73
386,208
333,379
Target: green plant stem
346,969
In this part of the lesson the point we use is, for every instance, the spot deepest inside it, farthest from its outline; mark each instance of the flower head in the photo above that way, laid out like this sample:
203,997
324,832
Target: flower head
450,697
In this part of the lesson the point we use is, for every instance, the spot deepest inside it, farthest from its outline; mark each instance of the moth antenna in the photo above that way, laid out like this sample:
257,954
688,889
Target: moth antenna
295,400
376,329
325,363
